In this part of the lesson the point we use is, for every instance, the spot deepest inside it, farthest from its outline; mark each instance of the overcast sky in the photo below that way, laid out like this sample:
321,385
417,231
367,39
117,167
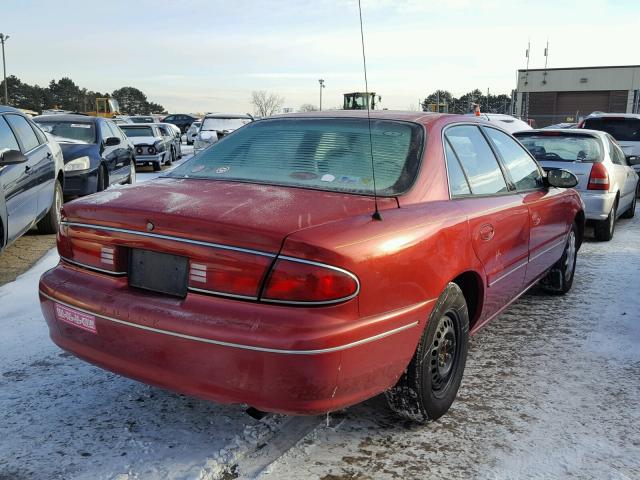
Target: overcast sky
208,55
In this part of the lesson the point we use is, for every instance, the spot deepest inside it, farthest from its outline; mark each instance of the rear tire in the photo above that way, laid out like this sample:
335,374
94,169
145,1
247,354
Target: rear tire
172,157
50,223
430,383
631,212
560,278
157,166
132,175
604,229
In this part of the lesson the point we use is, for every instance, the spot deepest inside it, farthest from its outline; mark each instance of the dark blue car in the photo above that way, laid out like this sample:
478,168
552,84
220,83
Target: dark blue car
31,178
96,152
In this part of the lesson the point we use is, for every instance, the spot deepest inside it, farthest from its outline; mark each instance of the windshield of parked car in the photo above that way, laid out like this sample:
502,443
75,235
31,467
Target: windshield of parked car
137,131
142,120
620,128
82,131
563,147
224,123
327,154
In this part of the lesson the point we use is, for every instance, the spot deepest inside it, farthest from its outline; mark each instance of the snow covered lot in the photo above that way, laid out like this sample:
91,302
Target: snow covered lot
551,390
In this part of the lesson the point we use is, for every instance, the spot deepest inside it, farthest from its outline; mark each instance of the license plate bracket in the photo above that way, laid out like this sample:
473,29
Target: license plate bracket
158,272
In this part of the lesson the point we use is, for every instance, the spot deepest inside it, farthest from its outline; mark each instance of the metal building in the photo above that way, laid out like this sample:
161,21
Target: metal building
556,95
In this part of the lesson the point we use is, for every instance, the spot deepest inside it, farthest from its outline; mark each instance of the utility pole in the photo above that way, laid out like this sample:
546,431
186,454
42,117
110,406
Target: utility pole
4,38
321,82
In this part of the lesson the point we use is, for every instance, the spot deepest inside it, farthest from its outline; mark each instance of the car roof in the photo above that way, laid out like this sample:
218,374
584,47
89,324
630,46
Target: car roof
68,117
7,109
569,132
604,115
227,115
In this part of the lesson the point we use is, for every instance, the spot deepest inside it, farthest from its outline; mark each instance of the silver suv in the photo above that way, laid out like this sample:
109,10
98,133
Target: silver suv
624,127
606,182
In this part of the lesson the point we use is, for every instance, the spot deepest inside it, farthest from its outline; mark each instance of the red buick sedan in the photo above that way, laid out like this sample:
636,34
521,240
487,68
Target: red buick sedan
259,272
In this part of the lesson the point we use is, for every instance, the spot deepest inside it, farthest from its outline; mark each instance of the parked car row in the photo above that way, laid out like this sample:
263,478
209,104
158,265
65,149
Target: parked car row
32,177
308,262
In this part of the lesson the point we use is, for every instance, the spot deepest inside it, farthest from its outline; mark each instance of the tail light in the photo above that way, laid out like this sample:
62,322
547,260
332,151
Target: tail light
599,178
298,281
91,251
230,273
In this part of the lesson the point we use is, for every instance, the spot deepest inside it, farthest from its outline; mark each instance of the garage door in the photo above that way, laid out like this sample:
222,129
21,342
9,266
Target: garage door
568,103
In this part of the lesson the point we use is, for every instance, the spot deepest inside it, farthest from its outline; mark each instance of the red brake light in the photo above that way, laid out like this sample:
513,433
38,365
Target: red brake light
599,178
296,281
228,272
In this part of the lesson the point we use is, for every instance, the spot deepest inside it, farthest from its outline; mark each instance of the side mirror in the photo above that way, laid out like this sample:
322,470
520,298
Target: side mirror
633,160
561,178
12,157
112,141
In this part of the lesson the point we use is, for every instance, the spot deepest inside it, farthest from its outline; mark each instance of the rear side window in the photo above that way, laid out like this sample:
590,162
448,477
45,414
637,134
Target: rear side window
458,184
620,128
326,154
477,160
7,138
23,131
523,170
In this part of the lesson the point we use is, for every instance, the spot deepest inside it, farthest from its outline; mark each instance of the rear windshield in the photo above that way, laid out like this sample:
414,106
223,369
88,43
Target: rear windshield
563,148
84,132
142,119
224,123
620,128
327,154
137,131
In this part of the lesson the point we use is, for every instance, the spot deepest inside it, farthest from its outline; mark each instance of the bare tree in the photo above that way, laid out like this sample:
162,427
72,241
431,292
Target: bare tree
266,104
308,107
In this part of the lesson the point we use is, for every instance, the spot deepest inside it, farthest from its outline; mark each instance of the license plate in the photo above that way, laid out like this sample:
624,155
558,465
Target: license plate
74,317
159,272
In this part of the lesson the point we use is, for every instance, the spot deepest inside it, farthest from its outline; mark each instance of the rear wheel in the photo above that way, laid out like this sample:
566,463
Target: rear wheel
132,175
560,278
630,213
51,221
430,383
603,229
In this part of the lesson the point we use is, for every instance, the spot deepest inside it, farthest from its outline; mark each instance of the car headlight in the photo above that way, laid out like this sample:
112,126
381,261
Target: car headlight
80,163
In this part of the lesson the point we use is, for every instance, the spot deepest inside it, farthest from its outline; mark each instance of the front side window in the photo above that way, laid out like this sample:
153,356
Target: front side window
326,154
523,170
105,131
477,160
23,131
7,138
82,131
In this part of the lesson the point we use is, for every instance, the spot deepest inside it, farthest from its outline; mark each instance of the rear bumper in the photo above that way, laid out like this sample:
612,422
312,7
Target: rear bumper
274,358
598,205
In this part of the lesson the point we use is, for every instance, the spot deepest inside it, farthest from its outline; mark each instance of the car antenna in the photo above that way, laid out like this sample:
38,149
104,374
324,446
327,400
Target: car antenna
376,214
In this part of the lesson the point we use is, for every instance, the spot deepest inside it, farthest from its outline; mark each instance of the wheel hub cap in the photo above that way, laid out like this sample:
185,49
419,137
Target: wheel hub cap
443,353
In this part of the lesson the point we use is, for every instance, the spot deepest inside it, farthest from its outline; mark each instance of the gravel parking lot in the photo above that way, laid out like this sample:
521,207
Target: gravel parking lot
551,390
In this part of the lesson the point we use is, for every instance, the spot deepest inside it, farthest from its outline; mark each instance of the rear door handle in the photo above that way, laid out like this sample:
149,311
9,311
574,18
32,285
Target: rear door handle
535,219
487,232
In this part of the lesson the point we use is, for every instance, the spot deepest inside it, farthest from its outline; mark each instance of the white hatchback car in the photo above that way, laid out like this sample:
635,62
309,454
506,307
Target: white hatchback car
607,183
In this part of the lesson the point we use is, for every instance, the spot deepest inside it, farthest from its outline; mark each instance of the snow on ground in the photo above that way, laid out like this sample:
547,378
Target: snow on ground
551,390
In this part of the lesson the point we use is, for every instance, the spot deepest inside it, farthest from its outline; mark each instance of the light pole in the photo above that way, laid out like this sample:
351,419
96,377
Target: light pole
321,82
4,38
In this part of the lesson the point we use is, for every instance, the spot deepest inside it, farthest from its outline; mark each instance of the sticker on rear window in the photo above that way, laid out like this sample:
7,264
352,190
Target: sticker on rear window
327,177
223,169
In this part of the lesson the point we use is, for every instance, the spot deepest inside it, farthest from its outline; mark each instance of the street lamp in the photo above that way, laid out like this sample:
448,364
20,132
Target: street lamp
321,82
4,38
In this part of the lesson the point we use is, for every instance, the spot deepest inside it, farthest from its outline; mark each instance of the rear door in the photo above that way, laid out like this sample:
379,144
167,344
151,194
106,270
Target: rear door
625,178
122,154
546,209
498,218
109,153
